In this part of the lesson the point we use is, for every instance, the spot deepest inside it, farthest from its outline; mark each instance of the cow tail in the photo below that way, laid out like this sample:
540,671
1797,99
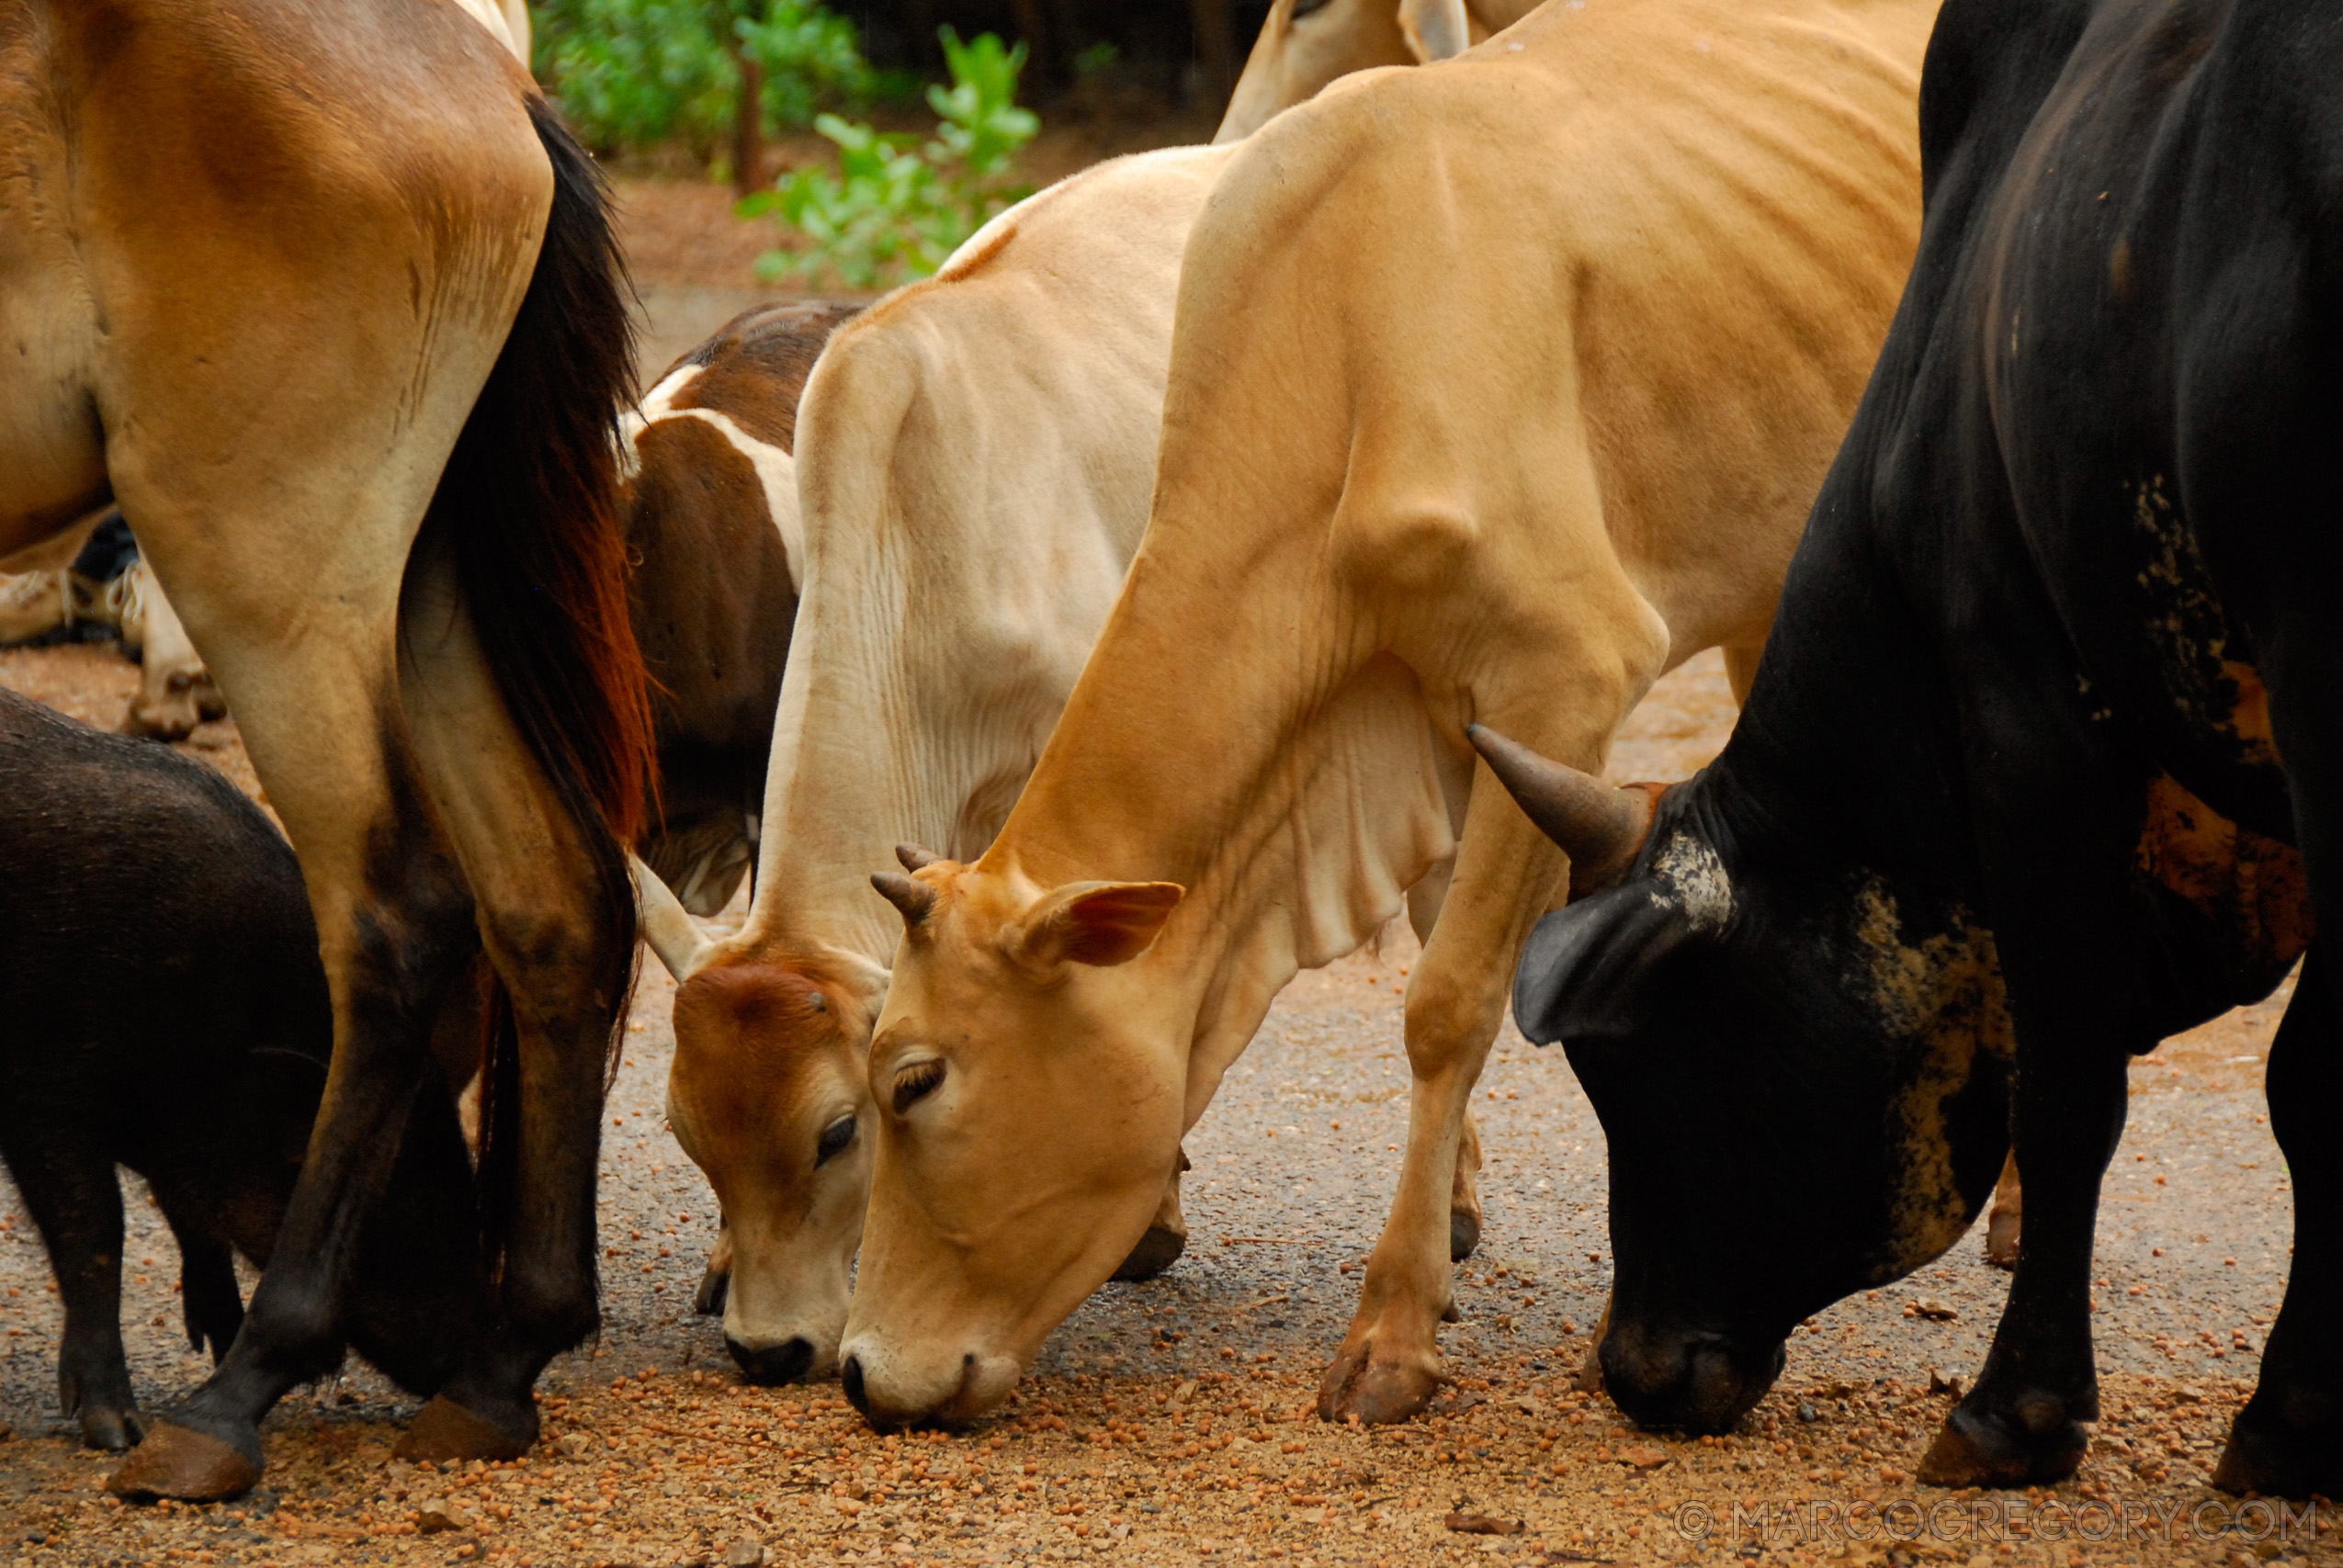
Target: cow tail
528,510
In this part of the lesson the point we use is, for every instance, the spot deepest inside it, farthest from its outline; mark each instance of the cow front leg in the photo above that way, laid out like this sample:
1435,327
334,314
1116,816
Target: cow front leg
1167,1234
2288,1441
1389,1364
2003,1229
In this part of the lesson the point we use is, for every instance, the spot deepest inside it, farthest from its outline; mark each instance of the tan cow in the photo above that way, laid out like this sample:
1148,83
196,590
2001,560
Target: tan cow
1305,44
1498,390
973,460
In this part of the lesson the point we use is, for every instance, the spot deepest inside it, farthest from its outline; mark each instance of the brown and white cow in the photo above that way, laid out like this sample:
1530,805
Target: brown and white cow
327,299
973,460
712,525
1305,44
1498,388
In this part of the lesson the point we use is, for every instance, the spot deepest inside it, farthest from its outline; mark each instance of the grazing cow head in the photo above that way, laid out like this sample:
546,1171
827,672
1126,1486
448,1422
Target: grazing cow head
1305,44
768,1097
1032,1095
1799,1103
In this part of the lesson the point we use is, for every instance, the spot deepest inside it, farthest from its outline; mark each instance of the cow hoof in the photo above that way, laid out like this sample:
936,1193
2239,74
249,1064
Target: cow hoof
2280,1463
1589,1375
112,1430
1463,1234
443,1431
2001,1240
1377,1392
1157,1250
1984,1450
714,1288
193,1467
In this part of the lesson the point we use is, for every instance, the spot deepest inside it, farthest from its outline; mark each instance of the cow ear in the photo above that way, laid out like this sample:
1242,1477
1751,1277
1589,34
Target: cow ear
1102,923
1435,29
1590,969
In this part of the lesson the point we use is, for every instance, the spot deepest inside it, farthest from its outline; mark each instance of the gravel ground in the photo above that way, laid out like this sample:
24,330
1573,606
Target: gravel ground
1166,1421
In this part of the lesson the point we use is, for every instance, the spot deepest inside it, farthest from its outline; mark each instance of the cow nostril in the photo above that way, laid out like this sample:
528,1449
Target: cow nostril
851,1374
784,1362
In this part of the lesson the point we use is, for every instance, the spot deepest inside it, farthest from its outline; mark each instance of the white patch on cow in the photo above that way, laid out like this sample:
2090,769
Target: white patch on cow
776,470
657,404
1692,871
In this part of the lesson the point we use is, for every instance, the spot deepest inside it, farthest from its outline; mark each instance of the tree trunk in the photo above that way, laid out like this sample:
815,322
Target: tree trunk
748,127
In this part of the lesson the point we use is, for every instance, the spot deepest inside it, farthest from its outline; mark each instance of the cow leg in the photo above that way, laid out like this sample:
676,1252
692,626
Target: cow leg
75,1197
1166,1237
2288,1441
1389,1363
540,899
1463,1194
716,1283
2059,859
209,1301
2001,1231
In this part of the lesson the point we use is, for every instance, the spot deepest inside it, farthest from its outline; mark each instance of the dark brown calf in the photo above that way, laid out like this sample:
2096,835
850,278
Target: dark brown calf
711,520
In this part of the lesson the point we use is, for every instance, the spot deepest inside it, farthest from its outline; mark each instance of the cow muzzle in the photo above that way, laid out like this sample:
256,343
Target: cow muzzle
769,1364
1687,1380
894,1390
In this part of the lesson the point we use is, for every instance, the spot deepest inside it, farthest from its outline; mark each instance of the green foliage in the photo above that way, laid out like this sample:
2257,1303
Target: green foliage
631,73
893,210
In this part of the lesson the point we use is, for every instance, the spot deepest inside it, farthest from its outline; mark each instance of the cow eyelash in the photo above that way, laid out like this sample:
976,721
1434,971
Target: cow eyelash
915,1083
834,1141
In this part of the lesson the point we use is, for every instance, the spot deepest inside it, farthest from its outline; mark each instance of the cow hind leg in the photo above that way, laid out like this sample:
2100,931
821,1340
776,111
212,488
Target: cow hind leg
543,890
2288,1441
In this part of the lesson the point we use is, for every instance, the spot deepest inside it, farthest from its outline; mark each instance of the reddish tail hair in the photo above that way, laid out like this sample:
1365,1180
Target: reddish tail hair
528,508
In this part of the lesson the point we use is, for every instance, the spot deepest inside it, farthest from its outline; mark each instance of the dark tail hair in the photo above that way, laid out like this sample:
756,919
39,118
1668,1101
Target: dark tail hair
528,509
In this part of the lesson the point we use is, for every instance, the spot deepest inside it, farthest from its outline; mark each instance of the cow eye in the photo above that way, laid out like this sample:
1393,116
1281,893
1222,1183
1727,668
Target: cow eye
834,1139
1306,7
915,1083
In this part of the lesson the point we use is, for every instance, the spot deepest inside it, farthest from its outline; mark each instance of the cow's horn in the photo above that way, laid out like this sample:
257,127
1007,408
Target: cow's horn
666,924
915,858
914,899
1601,827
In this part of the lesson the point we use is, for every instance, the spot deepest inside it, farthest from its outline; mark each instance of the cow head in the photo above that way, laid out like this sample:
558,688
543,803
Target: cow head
1305,44
1030,1085
1798,1105
768,1095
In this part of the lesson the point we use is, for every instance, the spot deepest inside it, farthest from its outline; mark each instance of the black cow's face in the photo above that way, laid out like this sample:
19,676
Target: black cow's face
1797,1109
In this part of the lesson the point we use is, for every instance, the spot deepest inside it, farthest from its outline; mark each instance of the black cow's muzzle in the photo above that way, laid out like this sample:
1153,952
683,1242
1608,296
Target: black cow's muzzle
1684,1379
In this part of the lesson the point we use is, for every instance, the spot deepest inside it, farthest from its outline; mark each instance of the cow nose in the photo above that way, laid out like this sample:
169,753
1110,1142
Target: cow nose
1687,1380
851,1374
784,1362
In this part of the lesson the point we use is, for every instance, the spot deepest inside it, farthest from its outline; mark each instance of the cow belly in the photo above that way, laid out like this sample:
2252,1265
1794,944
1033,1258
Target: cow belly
2233,906
52,459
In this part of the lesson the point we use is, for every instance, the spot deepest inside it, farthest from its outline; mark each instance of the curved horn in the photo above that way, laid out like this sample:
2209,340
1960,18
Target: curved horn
1601,827
915,858
915,900
666,924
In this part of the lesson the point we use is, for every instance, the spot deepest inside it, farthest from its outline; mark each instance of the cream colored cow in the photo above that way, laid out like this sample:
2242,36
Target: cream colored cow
972,466
1498,388
1305,44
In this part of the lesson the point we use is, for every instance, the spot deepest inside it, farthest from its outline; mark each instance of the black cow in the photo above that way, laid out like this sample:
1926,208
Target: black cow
162,1006
2007,805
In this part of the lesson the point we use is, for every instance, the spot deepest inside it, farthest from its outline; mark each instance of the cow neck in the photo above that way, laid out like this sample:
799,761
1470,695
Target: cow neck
1290,789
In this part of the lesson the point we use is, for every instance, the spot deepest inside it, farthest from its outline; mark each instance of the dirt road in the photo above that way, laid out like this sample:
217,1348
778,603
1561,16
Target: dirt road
1166,1421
